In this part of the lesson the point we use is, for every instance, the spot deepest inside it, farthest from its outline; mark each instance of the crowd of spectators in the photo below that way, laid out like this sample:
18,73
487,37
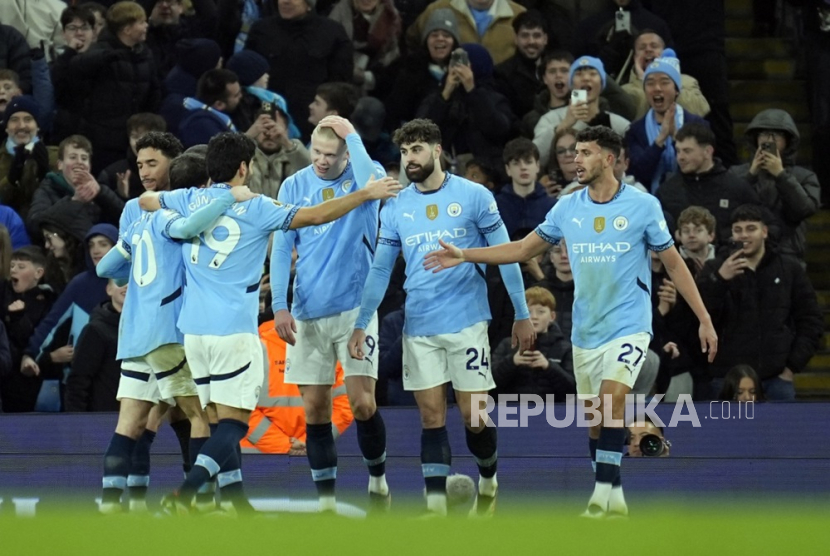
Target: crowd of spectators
508,82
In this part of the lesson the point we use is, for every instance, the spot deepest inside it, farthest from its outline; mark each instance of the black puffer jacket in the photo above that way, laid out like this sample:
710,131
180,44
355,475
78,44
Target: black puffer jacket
124,84
794,195
14,55
716,190
557,379
302,53
769,319
93,383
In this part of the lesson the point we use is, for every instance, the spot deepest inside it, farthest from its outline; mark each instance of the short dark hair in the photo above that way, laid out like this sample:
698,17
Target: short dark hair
226,151
340,97
748,213
530,19
698,131
162,141
77,141
603,136
72,13
420,129
213,85
558,54
30,253
146,121
520,148
188,170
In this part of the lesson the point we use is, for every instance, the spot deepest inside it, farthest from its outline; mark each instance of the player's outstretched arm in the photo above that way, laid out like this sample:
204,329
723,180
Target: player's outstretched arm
685,284
115,264
200,220
383,188
506,253
376,283
280,276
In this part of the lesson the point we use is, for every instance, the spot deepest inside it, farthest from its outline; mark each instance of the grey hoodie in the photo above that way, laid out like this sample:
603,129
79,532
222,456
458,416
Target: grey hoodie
794,195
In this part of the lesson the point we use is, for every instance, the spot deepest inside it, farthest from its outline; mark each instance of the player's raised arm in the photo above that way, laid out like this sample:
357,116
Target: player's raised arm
506,253
685,284
327,211
150,201
362,164
186,227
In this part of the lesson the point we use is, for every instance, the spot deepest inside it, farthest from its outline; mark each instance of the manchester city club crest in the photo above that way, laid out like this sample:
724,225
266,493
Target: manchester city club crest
599,224
620,223
328,194
454,209
432,212
346,185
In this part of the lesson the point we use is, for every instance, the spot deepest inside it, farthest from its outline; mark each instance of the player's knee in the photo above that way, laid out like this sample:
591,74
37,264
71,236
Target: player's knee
363,407
132,428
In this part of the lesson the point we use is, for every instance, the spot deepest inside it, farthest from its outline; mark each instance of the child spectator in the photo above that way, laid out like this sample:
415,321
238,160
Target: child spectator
696,234
523,203
548,368
25,301
93,382
741,384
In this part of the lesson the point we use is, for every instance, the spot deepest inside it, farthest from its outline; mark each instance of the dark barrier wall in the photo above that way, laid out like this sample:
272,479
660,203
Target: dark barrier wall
775,449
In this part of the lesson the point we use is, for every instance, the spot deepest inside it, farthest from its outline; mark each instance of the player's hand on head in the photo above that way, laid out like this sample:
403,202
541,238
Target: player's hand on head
242,193
356,343
341,126
285,326
382,188
523,335
447,257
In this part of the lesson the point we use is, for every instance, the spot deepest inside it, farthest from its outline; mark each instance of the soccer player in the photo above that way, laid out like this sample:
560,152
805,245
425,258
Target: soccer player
223,268
445,332
154,367
333,263
609,228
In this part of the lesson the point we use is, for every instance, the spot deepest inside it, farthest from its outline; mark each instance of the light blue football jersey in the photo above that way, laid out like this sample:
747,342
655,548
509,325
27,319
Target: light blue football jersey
129,215
223,265
334,258
459,212
608,246
154,294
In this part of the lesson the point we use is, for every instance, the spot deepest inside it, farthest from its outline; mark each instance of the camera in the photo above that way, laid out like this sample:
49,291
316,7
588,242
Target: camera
770,147
652,446
459,57
579,95
735,246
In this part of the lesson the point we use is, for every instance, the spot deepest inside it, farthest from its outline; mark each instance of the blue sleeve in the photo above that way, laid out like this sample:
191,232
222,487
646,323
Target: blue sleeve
190,226
511,275
281,248
17,230
116,263
362,165
377,282
280,270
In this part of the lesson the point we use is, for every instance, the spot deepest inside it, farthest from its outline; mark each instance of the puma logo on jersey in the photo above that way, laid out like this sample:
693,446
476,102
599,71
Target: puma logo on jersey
409,215
578,221
307,200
